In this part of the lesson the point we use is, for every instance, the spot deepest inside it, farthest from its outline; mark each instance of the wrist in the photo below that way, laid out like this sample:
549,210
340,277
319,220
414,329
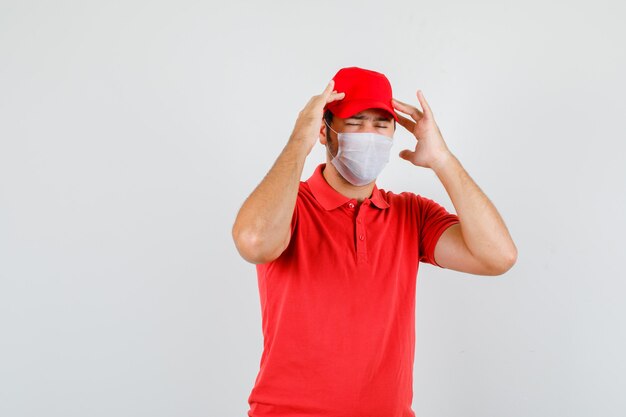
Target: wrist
444,160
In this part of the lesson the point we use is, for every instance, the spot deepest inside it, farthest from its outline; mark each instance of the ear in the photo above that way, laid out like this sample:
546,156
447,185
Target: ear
323,133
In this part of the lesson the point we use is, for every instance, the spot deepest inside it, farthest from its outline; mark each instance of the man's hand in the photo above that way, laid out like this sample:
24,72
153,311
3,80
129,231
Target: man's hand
430,149
307,125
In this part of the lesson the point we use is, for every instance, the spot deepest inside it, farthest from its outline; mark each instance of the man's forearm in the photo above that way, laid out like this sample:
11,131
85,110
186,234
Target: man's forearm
484,231
263,222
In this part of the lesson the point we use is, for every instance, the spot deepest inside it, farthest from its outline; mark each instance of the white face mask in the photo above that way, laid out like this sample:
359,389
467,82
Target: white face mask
361,157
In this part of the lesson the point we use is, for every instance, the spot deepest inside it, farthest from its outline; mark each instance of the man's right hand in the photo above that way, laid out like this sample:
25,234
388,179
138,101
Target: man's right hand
310,117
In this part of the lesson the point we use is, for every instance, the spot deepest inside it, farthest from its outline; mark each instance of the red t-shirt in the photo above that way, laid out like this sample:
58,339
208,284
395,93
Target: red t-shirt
338,305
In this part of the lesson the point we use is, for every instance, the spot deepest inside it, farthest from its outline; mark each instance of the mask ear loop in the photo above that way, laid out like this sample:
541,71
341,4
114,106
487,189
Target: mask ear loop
327,147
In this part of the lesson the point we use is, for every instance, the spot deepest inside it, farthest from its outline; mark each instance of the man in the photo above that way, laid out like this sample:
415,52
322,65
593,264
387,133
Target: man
337,258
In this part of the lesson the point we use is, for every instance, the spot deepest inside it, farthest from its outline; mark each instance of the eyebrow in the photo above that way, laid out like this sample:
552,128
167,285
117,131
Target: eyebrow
378,119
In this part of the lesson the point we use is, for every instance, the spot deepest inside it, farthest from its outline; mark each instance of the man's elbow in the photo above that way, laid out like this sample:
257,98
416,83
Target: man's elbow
504,264
254,248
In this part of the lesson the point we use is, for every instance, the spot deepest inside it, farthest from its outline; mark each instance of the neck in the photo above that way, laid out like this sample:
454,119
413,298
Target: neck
343,187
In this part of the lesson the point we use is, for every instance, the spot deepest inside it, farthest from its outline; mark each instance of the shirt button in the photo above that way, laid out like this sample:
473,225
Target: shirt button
351,205
361,237
358,220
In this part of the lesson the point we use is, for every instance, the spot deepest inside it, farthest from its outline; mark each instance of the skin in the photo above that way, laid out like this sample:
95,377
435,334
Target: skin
480,244
262,228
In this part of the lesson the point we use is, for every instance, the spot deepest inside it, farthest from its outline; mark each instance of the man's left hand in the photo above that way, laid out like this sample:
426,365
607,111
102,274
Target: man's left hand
430,149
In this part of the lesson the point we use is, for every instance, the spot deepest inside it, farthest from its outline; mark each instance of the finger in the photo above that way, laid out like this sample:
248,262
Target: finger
406,154
408,109
405,122
335,96
328,89
423,103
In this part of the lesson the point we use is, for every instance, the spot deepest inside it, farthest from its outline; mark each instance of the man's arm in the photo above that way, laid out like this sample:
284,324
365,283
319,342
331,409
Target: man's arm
480,243
262,229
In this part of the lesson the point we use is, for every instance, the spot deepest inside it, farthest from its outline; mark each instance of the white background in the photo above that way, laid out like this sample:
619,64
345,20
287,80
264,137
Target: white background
132,131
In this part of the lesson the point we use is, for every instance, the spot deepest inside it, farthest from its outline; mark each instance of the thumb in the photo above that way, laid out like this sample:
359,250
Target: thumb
406,154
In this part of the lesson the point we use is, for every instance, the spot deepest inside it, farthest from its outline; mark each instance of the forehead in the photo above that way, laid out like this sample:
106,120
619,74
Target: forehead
374,114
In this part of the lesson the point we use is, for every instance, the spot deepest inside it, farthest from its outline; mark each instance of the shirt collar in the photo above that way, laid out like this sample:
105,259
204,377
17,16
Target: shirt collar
330,198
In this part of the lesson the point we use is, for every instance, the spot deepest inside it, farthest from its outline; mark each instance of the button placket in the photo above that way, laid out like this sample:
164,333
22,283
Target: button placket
361,237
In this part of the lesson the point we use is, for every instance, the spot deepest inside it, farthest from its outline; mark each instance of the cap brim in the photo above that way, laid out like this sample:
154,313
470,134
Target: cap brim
355,106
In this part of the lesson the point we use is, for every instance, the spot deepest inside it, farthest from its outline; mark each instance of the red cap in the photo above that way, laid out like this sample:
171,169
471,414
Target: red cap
365,89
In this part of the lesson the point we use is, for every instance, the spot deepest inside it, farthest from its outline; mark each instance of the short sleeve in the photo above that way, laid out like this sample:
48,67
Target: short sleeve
433,220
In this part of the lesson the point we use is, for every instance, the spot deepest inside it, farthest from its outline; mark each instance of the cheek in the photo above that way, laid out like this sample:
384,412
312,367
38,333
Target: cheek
333,146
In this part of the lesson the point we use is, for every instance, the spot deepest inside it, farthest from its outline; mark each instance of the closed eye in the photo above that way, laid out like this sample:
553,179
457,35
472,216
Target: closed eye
357,124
